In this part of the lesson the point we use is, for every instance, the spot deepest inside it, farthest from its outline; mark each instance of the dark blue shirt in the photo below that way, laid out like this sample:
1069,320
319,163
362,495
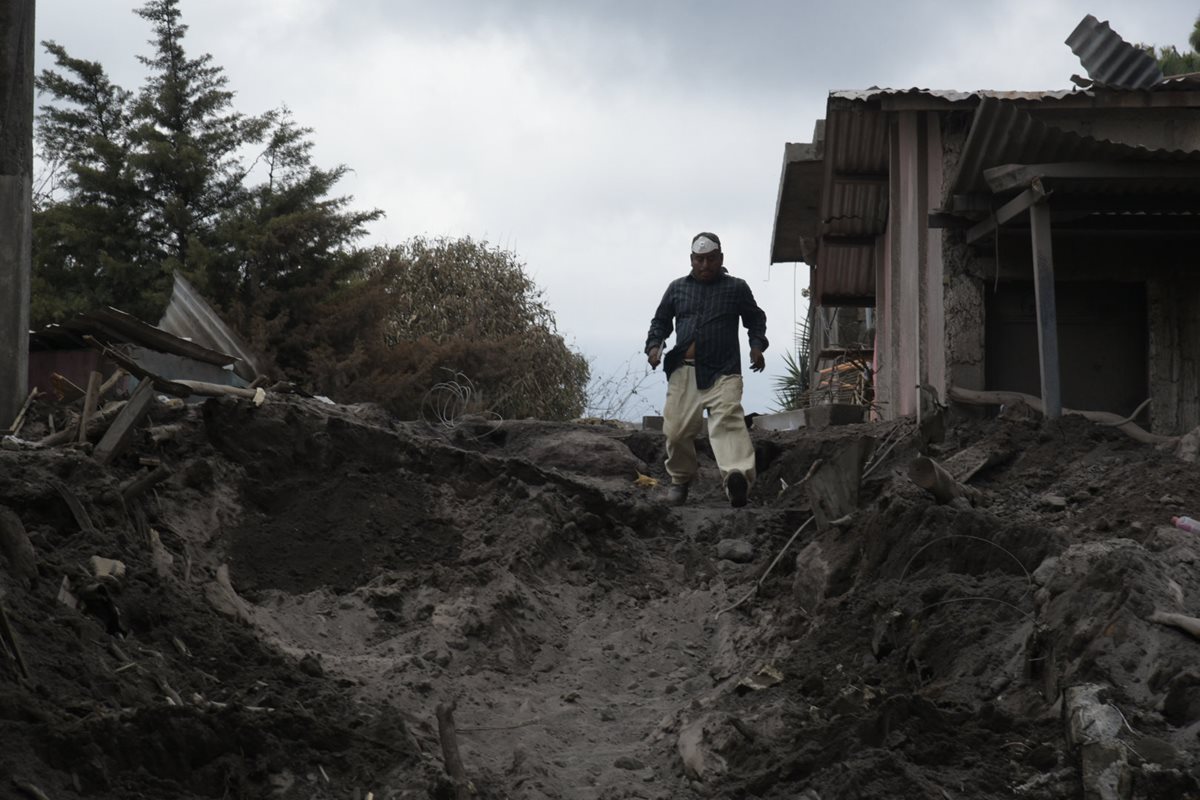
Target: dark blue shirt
707,314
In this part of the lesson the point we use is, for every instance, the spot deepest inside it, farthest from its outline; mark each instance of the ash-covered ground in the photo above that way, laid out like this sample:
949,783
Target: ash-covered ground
312,581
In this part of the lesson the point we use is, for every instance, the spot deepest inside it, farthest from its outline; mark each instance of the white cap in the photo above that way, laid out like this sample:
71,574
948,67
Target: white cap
703,245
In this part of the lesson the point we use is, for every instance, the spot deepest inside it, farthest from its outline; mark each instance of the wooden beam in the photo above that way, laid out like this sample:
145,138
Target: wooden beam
118,434
1047,314
1002,215
90,399
1016,176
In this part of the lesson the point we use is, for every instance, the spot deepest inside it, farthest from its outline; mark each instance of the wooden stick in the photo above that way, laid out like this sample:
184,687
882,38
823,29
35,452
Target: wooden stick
1190,625
94,425
11,640
205,389
15,428
933,478
108,385
89,404
30,789
138,486
994,398
450,754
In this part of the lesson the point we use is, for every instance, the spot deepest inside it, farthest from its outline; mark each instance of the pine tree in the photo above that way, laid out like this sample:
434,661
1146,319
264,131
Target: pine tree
186,137
86,240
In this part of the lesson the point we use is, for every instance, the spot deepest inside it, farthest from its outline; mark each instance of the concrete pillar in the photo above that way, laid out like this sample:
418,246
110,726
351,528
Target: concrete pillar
16,207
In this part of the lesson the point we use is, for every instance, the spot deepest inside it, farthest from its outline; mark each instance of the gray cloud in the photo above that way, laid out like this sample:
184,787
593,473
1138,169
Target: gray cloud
595,138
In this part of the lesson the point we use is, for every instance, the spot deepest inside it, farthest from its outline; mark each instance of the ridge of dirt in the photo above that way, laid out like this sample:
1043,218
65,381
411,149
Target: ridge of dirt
584,629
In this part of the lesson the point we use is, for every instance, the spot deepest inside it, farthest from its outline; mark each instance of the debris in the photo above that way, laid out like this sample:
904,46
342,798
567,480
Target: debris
1190,625
258,395
19,422
629,763
143,483
990,398
162,560
765,677
30,789
645,481
90,399
97,422
107,567
77,510
933,478
736,550
1092,729
10,642
221,594
1186,524
65,389
116,438
758,584
450,755
65,595
15,546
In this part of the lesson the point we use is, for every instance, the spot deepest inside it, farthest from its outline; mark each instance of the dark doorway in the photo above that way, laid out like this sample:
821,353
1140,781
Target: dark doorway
1102,342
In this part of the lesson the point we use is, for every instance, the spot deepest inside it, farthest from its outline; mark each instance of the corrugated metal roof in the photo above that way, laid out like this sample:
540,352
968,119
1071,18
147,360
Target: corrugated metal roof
797,207
113,326
188,314
1111,60
948,95
846,274
1004,133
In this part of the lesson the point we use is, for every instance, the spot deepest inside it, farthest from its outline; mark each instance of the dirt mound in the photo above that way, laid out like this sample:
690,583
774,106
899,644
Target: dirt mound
311,581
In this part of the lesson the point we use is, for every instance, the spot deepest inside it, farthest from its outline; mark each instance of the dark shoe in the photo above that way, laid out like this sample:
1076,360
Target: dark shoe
677,494
737,487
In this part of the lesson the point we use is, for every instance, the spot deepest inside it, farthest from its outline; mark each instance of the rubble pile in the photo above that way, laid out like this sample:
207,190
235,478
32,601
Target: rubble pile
266,595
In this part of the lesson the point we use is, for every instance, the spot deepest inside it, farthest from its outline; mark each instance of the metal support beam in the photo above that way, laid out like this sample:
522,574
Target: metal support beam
16,201
1047,315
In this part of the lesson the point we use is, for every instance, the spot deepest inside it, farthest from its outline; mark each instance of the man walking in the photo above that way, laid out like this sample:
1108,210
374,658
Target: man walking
704,369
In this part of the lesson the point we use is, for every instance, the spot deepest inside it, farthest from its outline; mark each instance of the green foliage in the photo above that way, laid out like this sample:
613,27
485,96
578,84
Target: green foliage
1173,62
146,185
791,388
431,308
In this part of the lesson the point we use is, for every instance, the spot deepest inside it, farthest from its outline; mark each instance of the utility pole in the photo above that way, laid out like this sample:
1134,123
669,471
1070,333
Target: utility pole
16,201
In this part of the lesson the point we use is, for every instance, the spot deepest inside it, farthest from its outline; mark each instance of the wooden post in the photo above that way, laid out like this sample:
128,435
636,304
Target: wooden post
1047,315
118,434
90,399
16,200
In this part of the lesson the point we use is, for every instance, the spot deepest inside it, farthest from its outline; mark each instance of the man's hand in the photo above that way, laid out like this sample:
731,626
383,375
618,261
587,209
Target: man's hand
757,362
654,357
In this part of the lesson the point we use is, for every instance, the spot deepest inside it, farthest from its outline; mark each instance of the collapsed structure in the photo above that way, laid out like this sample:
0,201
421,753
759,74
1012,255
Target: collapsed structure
1038,242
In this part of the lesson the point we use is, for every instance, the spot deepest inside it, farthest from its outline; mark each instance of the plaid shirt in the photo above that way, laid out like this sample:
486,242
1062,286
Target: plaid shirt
707,314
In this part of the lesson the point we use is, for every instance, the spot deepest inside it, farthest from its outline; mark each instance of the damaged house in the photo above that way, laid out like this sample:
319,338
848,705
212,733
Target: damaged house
1037,242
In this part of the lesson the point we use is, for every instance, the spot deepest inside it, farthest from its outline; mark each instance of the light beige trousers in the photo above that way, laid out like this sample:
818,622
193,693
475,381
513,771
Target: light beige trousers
683,416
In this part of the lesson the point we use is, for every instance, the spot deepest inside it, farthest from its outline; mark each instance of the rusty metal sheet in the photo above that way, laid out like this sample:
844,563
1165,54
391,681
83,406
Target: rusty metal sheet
1111,60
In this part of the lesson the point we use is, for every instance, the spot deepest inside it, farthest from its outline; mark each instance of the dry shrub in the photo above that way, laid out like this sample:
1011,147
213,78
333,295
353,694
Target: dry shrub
428,310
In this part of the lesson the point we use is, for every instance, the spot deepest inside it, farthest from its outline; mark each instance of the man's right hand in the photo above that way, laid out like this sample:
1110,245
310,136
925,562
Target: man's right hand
654,357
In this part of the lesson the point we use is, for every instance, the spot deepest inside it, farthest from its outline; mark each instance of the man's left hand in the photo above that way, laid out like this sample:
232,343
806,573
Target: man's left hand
757,362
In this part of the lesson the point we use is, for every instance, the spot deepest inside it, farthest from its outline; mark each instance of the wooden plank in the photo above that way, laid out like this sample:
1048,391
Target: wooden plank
118,434
1016,176
90,398
1010,210
1047,313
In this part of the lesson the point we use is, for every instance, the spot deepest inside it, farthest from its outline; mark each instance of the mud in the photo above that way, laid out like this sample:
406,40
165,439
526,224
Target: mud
522,571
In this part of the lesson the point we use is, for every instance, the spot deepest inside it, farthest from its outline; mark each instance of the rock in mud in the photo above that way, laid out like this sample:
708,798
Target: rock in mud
737,550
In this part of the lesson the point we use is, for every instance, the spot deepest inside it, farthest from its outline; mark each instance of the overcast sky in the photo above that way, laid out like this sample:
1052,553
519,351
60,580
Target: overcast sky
594,139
